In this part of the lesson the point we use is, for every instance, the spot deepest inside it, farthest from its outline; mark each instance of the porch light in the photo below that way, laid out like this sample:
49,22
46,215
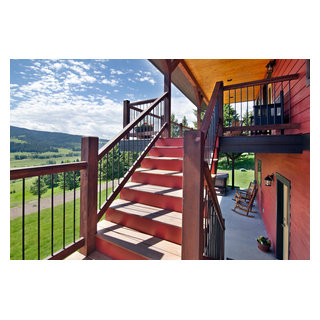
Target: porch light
268,179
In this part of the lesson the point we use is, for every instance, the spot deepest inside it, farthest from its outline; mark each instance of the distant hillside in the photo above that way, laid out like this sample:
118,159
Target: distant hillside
25,140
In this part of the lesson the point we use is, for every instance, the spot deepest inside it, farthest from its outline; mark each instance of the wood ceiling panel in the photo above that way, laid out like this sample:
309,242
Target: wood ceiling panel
208,71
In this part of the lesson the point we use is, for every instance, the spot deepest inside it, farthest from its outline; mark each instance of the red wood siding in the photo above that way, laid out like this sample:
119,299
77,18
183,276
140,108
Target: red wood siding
296,168
300,94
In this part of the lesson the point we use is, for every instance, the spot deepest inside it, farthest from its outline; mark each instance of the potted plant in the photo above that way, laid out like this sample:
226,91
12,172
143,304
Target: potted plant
264,244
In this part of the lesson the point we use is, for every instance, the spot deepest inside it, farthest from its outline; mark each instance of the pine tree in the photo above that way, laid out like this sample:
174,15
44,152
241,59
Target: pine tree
35,185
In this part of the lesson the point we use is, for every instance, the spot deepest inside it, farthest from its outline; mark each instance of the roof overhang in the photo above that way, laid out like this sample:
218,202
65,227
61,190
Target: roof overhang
192,75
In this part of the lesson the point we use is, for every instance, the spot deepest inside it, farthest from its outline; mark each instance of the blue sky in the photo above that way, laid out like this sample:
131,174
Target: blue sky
83,96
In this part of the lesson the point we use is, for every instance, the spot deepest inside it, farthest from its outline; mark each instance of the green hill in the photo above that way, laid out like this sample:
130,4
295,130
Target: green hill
26,140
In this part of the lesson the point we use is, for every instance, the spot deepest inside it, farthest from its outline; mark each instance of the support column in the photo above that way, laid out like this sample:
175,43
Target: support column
88,194
192,217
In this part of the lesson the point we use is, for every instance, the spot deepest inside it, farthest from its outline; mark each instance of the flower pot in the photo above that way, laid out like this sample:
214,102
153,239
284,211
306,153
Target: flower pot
264,248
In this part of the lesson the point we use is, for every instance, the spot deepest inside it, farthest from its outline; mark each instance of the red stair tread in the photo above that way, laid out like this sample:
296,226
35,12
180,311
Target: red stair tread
162,172
136,244
157,214
172,192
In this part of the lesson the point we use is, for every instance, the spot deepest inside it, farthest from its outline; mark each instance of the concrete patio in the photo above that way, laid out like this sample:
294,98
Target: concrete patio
242,232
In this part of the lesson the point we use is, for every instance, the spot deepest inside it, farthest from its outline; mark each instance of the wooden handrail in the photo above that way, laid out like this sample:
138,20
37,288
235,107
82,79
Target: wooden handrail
63,253
180,124
261,82
209,183
47,169
125,131
137,103
207,117
127,176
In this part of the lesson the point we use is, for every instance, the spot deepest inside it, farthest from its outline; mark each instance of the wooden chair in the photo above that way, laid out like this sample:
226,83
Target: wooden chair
244,206
245,195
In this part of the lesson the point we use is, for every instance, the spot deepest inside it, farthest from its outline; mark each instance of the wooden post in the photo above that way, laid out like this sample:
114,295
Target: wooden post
220,113
199,117
88,194
167,104
192,217
126,114
180,130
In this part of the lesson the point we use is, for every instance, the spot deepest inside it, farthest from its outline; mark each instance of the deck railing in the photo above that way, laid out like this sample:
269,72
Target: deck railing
202,222
123,154
260,106
40,232
132,109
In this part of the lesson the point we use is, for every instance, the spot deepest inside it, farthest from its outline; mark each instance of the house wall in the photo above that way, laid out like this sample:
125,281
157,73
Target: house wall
296,168
300,93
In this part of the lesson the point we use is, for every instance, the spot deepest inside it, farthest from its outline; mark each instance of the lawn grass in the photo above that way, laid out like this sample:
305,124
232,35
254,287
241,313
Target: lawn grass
31,230
242,179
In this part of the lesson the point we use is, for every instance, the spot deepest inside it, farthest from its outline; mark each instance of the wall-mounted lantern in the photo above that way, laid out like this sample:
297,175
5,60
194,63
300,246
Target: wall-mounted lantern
268,179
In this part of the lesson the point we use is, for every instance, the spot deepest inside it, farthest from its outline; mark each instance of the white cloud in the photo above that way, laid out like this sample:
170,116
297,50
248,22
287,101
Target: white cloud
112,82
113,71
181,107
146,78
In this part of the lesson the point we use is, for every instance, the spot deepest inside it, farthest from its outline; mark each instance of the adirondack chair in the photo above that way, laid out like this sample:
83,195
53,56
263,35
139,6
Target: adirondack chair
245,207
246,194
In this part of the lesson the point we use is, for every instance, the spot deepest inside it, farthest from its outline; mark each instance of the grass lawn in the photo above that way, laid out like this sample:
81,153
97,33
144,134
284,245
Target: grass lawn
31,231
241,178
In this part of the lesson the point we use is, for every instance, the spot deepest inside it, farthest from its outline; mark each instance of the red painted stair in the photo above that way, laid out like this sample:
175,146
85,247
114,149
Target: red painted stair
145,223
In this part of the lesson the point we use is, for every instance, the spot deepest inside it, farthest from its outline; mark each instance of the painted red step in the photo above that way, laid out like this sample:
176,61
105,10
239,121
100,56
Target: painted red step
170,142
166,178
163,163
152,195
123,243
164,224
166,151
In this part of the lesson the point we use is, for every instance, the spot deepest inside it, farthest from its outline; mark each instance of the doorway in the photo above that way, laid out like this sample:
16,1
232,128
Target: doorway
283,217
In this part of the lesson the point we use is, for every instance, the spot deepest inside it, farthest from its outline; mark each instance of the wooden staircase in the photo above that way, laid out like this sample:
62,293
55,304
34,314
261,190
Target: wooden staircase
145,223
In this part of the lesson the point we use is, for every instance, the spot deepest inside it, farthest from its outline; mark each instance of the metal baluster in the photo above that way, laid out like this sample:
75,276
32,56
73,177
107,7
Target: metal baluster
52,214
23,217
260,106
274,103
74,206
229,108
112,169
100,184
247,106
39,217
64,210
107,182
241,107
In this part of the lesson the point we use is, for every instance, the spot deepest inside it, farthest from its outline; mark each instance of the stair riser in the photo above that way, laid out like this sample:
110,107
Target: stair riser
152,199
170,142
151,227
166,152
162,164
116,252
158,180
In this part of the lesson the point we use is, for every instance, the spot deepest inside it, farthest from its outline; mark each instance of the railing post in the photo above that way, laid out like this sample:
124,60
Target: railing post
192,217
167,104
180,130
220,111
126,114
88,194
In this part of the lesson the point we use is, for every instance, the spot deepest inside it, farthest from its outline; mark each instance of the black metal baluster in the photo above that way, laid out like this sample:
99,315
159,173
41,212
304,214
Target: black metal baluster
100,184
247,106
118,163
107,184
39,195
112,169
260,106
52,214
74,206
23,217
229,108
241,107
274,102
64,210
235,107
